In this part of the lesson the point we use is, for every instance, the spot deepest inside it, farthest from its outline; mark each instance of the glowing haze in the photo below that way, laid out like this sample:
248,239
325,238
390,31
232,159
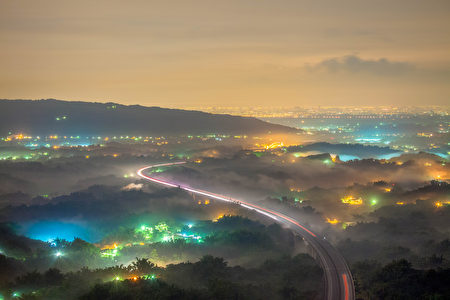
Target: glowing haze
236,52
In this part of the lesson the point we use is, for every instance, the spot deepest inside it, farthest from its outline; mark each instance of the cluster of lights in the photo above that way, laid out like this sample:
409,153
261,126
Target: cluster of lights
136,278
162,227
205,202
274,145
352,200
218,218
332,221
298,200
146,231
148,234
110,251
441,203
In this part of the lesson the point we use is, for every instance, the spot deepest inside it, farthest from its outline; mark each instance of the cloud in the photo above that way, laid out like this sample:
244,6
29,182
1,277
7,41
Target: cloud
355,64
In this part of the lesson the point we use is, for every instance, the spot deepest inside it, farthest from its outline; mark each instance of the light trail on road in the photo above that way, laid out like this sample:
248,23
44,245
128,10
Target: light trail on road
338,279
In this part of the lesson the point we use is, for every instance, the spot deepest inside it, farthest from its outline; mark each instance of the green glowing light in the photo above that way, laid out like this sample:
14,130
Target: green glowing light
117,278
58,254
190,225
373,201
327,161
162,227
298,200
151,277
109,253
258,154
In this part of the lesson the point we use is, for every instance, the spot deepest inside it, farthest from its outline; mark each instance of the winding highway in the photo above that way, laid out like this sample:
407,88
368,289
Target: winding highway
338,279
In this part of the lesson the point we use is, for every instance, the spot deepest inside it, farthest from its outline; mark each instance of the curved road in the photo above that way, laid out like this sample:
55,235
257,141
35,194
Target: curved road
338,279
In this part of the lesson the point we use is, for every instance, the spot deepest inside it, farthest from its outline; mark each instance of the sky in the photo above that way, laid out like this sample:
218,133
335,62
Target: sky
194,53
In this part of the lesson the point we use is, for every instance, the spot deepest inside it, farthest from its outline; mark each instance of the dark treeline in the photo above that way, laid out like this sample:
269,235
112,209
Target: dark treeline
296,277
211,278
399,280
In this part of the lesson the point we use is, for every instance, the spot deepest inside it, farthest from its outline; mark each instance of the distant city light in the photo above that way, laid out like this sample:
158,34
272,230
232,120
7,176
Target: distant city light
441,203
332,221
352,200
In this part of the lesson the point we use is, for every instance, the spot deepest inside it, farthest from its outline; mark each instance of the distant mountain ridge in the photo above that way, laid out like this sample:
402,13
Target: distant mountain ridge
50,116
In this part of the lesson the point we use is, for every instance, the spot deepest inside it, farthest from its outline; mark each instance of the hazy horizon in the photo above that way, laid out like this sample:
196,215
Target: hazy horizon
242,107
238,53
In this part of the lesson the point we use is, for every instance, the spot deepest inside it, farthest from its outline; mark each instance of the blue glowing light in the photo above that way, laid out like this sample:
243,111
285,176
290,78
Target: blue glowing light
48,231
345,157
390,155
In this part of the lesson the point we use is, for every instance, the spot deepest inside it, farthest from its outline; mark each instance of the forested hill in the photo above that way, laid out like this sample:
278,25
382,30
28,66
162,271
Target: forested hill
46,117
